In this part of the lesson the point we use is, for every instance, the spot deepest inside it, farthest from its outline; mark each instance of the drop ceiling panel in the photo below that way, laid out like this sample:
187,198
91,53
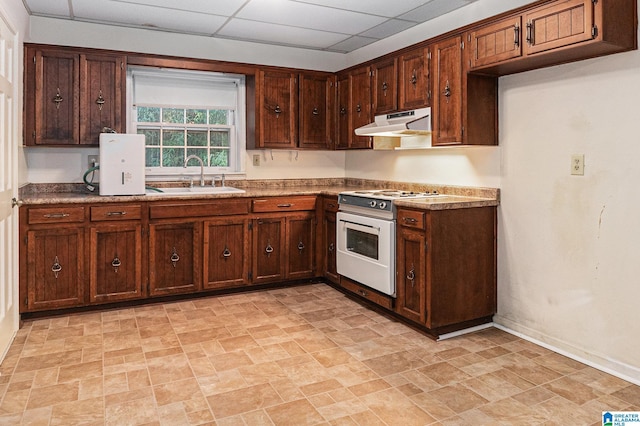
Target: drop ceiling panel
433,9
223,8
148,17
351,44
388,28
278,34
295,14
374,7
48,7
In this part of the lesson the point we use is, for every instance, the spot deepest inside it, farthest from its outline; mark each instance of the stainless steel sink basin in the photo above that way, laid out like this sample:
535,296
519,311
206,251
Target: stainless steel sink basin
197,190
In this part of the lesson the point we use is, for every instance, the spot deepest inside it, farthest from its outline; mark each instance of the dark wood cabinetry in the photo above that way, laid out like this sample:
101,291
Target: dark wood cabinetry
414,79
328,238
446,266
354,108
447,92
174,257
316,111
385,86
300,249
496,42
268,249
226,252
71,95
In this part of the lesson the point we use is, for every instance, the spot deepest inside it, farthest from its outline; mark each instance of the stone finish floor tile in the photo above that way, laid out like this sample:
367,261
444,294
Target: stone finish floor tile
302,355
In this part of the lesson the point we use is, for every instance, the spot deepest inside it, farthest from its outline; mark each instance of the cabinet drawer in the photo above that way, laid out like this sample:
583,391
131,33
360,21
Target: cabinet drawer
411,218
331,205
56,215
112,212
211,208
279,204
367,293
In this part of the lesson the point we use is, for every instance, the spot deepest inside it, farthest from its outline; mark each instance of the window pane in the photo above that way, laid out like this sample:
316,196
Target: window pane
173,138
219,158
200,152
152,157
173,157
173,115
219,138
218,116
151,136
149,114
196,116
196,138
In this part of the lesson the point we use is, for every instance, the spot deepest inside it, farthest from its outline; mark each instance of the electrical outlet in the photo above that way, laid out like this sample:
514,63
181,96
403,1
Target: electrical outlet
577,164
256,159
93,160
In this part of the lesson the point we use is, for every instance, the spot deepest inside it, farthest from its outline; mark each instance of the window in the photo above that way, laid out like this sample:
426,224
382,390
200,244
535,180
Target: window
183,113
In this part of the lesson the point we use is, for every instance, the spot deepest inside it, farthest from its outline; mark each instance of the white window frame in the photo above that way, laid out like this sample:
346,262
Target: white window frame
238,131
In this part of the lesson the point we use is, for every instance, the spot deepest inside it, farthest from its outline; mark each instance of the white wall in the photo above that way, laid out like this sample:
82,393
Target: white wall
569,270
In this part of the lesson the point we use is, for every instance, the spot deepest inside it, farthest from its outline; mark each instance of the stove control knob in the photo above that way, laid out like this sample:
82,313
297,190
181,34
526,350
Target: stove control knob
382,205
372,203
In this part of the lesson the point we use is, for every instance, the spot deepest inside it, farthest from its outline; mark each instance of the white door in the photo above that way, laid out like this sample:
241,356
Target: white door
8,181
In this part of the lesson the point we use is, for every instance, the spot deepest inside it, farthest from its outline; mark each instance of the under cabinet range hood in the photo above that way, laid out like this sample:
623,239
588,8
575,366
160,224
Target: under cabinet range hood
398,124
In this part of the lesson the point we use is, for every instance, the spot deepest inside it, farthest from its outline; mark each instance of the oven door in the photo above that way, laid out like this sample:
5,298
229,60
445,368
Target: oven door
366,251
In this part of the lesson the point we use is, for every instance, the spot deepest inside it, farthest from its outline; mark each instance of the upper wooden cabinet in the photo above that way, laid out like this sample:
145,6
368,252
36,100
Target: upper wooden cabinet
385,86
447,92
414,88
354,108
70,96
294,110
551,33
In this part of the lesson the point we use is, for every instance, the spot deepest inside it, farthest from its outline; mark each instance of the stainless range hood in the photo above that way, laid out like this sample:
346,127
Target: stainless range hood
406,123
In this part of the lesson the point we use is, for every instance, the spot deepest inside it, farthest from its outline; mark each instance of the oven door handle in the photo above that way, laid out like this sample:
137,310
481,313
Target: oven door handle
361,227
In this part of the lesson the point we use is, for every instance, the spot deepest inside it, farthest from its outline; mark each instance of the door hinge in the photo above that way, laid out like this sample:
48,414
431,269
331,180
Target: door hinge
429,55
121,65
34,134
462,45
594,31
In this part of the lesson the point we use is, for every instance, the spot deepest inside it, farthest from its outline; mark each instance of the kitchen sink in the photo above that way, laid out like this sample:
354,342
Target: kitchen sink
197,190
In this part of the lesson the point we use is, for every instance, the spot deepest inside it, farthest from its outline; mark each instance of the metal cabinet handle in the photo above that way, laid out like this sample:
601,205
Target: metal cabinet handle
277,110
226,252
409,220
331,248
116,264
174,257
56,267
362,292
516,35
116,213
268,249
315,111
300,246
343,110
447,90
100,101
57,99
56,215
285,205
414,78
358,108
385,86
529,33
411,276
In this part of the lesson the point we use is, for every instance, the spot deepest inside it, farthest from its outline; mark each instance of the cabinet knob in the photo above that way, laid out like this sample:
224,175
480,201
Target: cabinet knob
414,78
100,101
411,276
343,110
56,267
226,252
115,263
57,99
277,110
331,248
300,246
315,111
358,108
447,91
174,257
385,86
268,249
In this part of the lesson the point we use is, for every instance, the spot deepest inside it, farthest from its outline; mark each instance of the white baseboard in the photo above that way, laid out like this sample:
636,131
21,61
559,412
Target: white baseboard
616,368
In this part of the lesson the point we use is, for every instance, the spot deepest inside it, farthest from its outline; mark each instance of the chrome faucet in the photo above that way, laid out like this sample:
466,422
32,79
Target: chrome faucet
201,167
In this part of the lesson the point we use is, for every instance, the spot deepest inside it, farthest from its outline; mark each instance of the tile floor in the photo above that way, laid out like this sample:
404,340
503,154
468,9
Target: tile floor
297,356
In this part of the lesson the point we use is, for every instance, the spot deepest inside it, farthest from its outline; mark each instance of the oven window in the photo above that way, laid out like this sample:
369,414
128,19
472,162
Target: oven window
362,243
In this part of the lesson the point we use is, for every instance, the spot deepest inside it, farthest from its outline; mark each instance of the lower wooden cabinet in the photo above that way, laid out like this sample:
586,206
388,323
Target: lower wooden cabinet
174,257
328,237
54,268
269,248
226,253
411,274
300,234
115,262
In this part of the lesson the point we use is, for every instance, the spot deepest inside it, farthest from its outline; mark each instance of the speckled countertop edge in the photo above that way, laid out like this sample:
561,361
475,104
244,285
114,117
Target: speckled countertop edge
454,196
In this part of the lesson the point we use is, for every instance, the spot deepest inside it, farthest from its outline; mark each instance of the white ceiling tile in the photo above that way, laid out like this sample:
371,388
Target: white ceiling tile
291,13
388,28
223,8
273,33
352,43
148,17
49,7
433,9
375,7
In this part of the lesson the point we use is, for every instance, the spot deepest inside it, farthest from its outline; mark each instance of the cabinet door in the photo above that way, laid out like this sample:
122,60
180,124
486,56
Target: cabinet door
102,79
360,113
447,92
226,253
495,43
278,110
174,258
411,271
344,132
558,25
329,239
385,86
116,262
268,249
300,236
315,112
413,83
55,268
56,97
